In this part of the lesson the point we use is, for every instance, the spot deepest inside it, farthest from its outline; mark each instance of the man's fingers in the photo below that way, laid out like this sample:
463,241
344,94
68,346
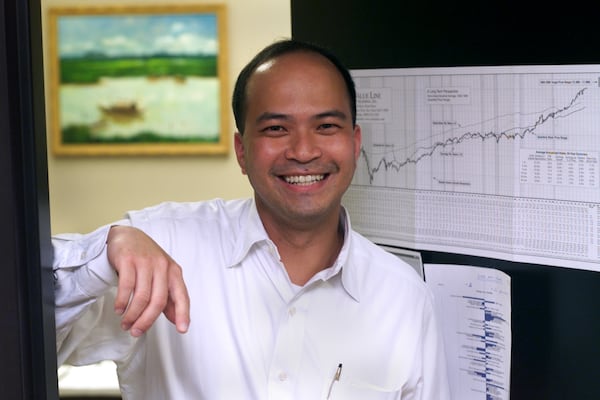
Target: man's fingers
150,281
182,315
127,279
148,302
139,300
178,307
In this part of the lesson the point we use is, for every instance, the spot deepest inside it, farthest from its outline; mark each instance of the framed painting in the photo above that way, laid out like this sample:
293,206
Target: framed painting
129,80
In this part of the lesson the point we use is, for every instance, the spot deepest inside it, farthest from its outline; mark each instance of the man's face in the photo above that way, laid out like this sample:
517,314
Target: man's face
299,147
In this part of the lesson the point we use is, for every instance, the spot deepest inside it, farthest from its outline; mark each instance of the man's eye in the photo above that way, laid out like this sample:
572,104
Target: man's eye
274,130
328,128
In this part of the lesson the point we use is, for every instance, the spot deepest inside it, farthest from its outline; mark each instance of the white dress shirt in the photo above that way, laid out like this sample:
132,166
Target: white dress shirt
253,334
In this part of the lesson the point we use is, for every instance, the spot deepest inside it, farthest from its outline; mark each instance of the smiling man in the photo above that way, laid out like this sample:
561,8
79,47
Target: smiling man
299,147
287,301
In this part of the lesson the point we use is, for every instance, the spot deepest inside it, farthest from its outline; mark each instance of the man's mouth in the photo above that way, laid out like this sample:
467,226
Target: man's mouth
303,179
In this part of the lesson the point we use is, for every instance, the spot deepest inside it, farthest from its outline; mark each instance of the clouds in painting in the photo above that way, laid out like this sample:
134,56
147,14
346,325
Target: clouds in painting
137,35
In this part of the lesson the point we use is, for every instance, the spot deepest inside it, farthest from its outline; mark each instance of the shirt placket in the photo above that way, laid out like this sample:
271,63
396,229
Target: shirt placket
285,365
284,371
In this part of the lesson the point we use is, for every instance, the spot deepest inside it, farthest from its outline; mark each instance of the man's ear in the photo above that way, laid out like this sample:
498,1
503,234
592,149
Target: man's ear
239,151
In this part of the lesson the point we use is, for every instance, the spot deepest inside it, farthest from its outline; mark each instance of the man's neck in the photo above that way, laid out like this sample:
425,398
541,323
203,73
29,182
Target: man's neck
306,252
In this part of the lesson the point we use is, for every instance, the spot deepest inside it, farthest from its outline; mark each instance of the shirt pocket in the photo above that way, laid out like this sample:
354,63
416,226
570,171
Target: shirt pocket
347,390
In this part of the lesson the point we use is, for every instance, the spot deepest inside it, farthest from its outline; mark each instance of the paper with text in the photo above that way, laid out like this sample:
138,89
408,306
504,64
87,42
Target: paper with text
473,307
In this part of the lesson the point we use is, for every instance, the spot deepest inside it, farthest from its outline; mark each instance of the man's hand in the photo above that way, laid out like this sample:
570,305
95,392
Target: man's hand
150,282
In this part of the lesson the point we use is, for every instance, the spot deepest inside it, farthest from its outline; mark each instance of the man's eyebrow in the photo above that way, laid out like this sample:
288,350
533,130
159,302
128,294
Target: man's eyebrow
268,116
332,113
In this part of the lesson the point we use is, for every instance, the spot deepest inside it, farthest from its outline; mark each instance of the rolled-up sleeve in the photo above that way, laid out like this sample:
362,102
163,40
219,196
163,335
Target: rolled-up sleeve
83,280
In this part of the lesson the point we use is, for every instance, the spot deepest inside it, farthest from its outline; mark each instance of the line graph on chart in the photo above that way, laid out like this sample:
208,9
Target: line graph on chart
514,134
493,161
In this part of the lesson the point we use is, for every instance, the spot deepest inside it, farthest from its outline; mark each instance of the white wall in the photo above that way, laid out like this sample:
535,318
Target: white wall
86,192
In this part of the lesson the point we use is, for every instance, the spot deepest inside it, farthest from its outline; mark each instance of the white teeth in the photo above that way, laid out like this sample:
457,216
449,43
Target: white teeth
303,179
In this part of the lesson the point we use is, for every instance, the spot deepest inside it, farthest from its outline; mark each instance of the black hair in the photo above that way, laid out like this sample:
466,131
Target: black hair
277,49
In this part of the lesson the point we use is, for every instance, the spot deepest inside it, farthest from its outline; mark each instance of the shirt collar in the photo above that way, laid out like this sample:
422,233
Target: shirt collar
252,232
345,263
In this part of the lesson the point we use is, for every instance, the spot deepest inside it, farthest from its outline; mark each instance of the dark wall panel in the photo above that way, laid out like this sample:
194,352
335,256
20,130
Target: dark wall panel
447,33
27,338
555,311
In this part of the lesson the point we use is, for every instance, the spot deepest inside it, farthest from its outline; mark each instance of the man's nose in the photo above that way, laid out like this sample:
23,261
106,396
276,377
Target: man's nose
303,146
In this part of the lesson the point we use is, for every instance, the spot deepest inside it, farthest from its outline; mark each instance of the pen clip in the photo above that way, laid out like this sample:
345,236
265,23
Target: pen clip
338,372
336,378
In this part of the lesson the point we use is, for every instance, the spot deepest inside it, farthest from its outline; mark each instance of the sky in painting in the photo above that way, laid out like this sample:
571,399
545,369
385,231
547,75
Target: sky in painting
137,35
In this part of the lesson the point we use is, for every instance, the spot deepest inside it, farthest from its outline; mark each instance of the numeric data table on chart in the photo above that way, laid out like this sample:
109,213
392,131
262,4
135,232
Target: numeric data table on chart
499,162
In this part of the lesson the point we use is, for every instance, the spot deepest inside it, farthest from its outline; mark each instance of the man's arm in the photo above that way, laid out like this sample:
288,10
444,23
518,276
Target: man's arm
89,267
150,282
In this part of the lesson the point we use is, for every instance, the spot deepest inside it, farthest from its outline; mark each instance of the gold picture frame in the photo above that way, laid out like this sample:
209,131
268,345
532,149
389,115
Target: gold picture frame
138,80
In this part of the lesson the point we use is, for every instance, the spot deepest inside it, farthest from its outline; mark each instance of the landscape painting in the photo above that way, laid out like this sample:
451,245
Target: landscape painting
138,80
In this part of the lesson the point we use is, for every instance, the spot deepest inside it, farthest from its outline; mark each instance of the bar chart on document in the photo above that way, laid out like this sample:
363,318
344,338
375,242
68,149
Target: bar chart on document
473,305
498,162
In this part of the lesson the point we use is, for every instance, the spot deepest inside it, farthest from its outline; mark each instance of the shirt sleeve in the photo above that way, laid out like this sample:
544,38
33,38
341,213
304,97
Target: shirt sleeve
87,328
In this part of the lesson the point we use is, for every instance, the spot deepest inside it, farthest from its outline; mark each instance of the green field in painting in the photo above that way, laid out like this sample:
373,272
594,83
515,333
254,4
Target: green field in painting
90,69
81,134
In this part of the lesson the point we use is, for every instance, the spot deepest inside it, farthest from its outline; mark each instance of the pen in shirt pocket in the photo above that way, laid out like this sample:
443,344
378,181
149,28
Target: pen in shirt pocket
336,378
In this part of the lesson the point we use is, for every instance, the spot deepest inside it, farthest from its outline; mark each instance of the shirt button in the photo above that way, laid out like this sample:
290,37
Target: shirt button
283,376
292,311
